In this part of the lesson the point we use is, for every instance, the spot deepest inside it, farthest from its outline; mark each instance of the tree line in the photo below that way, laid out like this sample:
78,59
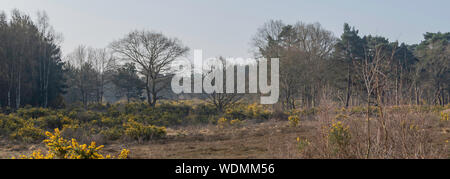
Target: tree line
355,69
31,69
314,64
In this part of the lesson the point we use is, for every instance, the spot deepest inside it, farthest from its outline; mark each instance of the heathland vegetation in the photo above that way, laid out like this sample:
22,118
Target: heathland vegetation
350,96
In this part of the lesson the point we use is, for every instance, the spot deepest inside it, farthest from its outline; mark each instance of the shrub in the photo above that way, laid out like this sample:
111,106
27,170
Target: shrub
294,120
142,132
109,122
60,148
28,113
444,116
9,124
88,116
339,136
256,111
51,121
204,109
113,111
236,122
222,123
28,133
113,133
235,113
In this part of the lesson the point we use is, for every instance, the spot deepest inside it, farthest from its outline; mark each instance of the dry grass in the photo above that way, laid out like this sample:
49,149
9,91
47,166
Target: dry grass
396,135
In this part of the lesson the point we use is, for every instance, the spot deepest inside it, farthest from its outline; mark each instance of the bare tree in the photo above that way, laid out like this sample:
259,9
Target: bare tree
265,39
225,99
103,64
302,50
84,77
371,72
153,52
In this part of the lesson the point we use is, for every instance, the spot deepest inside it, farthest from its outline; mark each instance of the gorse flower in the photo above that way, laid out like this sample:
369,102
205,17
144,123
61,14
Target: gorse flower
294,120
339,135
60,148
222,123
444,116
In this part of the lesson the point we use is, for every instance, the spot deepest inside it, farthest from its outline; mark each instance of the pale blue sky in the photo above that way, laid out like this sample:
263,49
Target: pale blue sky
226,27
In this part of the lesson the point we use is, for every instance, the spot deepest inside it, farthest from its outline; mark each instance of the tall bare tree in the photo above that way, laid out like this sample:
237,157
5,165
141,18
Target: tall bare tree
303,50
103,64
154,53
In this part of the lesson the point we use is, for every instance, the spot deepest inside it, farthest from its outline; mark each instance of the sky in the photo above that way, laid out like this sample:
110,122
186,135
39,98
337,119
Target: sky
226,27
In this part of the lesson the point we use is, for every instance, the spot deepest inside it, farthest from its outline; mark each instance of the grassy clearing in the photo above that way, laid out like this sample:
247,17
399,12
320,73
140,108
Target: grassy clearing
412,132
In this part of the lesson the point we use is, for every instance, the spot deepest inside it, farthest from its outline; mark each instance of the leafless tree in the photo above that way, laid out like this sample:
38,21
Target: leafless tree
103,64
225,99
302,50
81,64
153,52
371,71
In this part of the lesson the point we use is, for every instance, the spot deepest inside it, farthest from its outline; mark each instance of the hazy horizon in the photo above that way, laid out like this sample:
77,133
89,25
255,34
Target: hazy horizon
226,28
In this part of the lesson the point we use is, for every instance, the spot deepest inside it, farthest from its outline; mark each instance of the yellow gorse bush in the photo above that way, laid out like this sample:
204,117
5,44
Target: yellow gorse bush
60,148
294,120
222,123
142,132
444,116
257,111
28,133
339,135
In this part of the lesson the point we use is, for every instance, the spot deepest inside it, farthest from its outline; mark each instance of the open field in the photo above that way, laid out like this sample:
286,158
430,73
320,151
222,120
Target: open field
424,135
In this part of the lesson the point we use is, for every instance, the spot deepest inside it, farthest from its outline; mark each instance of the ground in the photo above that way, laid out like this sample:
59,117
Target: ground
258,140
266,140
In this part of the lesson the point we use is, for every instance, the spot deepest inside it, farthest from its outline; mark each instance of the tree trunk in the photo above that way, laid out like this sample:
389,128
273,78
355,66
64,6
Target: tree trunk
9,98
349,84
18,91
147,89
368,126
154,93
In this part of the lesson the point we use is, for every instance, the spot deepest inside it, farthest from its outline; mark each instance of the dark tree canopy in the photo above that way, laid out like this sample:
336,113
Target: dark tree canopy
31,67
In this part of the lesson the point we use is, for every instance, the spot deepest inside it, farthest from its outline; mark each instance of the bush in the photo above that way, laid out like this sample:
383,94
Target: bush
9,124
28,133
224,123
444,117
113,133
137,121
294,120
60,148
236,122
255,111
51,121
339,136
88,116
142,132
204,110
28,113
